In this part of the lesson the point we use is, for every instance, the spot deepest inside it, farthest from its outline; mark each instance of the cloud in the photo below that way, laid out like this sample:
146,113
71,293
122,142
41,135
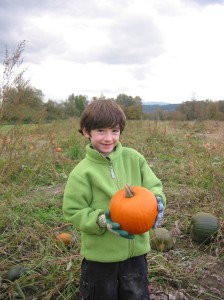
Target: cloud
204,2
134,39
84,32
153,49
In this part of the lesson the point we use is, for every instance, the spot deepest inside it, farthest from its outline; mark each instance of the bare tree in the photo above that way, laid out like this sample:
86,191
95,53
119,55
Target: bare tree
12,75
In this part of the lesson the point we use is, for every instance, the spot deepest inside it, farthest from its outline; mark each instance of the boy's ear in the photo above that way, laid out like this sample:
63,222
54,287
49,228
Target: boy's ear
86,133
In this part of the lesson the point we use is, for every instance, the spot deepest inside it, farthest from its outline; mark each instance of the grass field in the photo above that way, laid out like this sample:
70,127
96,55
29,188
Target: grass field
34,164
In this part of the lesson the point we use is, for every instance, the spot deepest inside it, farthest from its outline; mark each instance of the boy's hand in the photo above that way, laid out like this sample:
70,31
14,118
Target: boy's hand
104,220
160,212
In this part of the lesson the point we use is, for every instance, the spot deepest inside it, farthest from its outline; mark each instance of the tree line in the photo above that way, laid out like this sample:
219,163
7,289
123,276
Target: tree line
20,102
27,105
191,110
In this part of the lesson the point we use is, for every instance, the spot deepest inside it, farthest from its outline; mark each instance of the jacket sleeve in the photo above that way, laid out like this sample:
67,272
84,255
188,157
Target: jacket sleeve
151,182
77,208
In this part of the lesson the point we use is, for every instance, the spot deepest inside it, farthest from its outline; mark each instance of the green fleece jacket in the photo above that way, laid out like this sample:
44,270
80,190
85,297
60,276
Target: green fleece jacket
87,194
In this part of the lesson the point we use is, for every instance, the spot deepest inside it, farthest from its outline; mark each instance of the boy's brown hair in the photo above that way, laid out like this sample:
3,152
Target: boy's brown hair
102,114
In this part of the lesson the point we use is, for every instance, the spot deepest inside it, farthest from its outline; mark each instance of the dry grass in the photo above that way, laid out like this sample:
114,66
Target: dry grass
187,156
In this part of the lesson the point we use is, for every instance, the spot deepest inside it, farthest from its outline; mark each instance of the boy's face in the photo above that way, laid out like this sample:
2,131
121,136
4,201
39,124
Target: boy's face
104,139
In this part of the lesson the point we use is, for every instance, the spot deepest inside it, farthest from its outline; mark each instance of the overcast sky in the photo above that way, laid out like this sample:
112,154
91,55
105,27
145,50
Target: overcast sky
167,51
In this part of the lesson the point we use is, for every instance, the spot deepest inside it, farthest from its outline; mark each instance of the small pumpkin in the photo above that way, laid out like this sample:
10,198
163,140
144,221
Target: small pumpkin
161,239
65,237
58,149
204,227
15,272
134,208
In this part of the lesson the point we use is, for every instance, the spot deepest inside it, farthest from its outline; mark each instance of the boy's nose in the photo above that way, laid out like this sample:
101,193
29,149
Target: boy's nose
108,136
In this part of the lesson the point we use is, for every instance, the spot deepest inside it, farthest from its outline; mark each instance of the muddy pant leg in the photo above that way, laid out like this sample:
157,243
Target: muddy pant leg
133,280
98,281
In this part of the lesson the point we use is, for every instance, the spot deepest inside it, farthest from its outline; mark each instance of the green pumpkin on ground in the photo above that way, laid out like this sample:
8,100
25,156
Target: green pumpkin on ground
204,227
15,272
161,239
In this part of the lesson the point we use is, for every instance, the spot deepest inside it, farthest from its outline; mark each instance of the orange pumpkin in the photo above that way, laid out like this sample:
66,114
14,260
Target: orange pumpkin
134,208
58,149
65,237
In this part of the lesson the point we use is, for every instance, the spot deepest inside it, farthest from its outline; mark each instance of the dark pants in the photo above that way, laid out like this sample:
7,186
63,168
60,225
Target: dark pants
125,280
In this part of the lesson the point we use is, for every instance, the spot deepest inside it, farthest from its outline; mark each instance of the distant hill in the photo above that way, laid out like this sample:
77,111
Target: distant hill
155,103
152,108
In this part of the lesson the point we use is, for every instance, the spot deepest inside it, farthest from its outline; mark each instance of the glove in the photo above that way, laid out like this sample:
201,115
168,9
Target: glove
104,220
160,212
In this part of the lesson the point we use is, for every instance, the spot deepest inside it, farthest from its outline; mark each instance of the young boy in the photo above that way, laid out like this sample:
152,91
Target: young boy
114,266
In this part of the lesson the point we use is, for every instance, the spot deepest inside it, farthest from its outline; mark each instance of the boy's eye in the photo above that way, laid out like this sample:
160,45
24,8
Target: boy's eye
100,130
114,130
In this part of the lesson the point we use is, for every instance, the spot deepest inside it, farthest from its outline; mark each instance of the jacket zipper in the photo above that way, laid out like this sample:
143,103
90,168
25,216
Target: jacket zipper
131,247
112,173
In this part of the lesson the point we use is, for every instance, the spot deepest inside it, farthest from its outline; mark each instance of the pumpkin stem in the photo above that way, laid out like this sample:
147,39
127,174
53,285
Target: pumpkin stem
128,191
